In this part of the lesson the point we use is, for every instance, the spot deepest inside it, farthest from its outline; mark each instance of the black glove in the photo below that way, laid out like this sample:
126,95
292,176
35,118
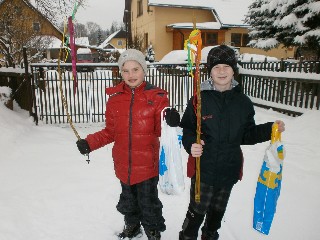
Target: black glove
172,117
83,146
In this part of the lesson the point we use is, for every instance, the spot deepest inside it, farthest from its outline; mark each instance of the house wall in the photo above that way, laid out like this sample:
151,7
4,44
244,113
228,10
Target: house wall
24,20
154,22
280,52
115,42
30,16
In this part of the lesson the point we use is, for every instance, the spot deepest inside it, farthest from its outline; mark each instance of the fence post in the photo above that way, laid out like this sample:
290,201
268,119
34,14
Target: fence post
282,67
30,87
317,67
300,64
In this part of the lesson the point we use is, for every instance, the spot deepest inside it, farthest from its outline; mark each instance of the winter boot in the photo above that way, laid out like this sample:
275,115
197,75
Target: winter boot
130,231
153,234
210,236
191,225
211,225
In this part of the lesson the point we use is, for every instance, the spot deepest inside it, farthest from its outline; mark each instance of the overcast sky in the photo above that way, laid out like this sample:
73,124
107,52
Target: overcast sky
101,12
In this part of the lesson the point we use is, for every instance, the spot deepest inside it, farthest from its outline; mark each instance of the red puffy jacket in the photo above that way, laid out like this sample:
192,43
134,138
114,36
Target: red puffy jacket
133,123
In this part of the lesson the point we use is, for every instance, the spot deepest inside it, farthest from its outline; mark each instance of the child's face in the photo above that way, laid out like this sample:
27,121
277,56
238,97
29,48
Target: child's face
132,73
222,75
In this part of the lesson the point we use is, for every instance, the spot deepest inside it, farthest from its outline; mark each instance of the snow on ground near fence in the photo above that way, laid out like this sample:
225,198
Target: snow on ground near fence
49,192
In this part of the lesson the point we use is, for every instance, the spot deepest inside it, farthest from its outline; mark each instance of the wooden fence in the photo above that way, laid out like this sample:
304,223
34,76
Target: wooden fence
284,66
291,95
20,85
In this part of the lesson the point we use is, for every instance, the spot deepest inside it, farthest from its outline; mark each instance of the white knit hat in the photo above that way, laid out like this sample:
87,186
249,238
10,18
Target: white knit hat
135,55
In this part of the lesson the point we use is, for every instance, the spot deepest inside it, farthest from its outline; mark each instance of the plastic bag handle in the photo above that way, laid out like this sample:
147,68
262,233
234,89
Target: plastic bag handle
275,134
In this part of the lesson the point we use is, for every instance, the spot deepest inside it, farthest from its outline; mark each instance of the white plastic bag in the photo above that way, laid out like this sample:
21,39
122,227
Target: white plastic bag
171,180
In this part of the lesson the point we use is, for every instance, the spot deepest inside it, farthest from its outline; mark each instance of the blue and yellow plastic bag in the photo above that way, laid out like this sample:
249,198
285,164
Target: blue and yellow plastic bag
269,184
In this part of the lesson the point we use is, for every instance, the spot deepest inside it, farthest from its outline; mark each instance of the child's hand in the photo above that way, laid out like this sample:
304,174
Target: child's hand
281,125
172,117
197,149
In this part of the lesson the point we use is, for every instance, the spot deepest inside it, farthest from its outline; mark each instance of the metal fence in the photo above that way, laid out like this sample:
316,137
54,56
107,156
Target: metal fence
86,101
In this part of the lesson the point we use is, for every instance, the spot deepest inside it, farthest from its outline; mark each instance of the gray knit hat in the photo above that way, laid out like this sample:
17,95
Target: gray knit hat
222,55
135,55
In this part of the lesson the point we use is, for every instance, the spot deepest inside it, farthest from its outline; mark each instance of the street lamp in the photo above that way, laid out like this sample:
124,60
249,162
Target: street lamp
126,19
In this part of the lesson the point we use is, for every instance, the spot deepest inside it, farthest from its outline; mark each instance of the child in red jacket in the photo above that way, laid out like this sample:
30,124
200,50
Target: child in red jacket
133,123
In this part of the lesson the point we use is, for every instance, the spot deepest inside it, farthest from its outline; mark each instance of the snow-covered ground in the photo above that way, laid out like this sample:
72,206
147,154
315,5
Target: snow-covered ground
49,192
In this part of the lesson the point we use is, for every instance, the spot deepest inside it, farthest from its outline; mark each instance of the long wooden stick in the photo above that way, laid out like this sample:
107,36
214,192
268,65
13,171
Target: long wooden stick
195,40
198,114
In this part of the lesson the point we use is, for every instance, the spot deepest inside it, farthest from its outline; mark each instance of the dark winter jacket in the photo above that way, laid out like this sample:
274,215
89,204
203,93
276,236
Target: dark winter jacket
227,122
133,124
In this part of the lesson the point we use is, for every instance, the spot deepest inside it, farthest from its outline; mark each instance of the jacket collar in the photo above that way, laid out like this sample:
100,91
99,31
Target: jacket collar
208,85
122,87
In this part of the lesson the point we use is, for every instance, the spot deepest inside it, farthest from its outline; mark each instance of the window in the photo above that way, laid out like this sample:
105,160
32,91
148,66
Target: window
236,39
18,10
120,43
36,26
209,38
240,39
245,39
140,8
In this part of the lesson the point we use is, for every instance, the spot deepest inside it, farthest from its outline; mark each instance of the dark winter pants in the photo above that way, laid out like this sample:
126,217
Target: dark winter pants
140,203
213,204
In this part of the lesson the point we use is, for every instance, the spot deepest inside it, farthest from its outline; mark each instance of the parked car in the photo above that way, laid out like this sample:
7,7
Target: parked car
84,55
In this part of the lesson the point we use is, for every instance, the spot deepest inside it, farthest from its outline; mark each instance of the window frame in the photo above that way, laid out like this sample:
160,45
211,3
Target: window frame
36,26
139,8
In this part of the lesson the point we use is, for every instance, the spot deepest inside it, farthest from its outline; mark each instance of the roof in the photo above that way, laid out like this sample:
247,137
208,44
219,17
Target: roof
82,41
227,12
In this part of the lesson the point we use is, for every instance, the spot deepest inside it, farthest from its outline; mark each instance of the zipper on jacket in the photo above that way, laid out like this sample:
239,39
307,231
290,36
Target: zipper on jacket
130,135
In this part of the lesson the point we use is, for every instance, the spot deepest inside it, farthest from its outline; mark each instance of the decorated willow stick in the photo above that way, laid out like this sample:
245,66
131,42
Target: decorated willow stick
194,45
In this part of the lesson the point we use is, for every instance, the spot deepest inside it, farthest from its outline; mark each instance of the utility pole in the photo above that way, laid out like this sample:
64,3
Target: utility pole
126,18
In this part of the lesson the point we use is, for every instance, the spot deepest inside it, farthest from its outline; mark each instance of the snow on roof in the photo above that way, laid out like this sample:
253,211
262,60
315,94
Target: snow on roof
228,12
55,42
82,41
204,25
105,42
175,56
83,51
247,57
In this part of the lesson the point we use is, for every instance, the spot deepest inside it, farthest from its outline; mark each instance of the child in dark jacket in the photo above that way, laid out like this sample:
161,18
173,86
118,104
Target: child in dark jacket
227,121
133,123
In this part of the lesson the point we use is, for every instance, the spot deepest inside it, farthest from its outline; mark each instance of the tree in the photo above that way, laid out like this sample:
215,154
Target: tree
150,54
99,37
261,20
56,11
92,29
295,23
80,30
